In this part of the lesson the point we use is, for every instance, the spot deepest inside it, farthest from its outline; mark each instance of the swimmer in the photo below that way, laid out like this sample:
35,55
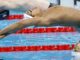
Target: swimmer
53,15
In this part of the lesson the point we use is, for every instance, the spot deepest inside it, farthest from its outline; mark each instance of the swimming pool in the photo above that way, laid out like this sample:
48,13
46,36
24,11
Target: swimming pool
36,39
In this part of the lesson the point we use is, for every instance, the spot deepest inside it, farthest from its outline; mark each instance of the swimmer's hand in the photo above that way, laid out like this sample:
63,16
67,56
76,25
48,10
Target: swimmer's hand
2,36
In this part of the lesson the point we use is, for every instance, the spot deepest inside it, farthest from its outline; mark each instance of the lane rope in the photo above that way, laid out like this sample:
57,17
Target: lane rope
37,48
46,30
12,17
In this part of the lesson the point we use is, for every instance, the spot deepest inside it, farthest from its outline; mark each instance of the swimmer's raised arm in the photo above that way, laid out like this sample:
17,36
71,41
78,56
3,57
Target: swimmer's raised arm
23,5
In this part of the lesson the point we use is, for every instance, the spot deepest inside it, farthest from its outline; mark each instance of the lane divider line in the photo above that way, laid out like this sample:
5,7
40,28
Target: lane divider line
37,48
12,17
46,30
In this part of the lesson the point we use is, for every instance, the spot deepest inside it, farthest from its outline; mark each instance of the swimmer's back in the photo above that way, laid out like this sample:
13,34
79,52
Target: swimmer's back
62,15
59,9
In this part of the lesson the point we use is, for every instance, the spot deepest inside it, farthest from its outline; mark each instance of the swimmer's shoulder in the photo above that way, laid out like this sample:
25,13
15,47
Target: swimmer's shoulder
56,7
60,8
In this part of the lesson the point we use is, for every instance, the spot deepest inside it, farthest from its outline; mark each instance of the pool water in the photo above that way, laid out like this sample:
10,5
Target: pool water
36,39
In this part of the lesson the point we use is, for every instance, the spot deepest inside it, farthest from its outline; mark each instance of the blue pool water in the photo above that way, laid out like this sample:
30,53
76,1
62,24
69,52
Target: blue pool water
36,39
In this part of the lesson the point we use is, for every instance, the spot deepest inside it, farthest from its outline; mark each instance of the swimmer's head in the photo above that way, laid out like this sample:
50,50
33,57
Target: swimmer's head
35,12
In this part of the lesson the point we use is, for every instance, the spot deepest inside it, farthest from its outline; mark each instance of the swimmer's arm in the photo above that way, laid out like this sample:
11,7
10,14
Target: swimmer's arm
19,25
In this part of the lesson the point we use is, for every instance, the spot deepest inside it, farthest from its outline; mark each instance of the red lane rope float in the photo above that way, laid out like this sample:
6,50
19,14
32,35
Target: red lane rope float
12,17
37,48
46,30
